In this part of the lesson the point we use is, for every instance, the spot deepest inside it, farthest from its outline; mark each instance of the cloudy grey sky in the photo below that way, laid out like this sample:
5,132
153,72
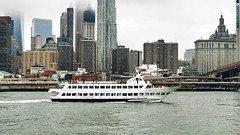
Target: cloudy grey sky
139,21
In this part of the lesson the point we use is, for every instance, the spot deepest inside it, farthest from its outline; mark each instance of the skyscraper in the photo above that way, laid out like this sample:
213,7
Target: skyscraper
79,18
70,13
63,25
106,33
36,43
42,27
89,23
135,60
65,61
120,57
5,43
17,30
238,32
87,55
164,55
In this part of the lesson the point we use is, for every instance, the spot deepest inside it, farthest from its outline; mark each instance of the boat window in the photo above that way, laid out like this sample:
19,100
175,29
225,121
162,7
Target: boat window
140,86
162,93
90,87
96,87
119,94
135,87
102,94
74,87
148,86
146,94
119,87
135,94
85,94
141,94
130,94
107,87
158,93
68,94
63,94
102,87
124,87
113,94
90,94
124,94
85,87
80,87
107,94
113,87
79,94
69,87
73,94
168,93
152,94
130,87
96,94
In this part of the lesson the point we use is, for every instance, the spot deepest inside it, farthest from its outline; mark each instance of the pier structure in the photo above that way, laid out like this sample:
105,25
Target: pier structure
27,84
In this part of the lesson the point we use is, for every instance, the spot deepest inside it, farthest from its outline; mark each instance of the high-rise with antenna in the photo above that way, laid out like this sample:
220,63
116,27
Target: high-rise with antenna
106,33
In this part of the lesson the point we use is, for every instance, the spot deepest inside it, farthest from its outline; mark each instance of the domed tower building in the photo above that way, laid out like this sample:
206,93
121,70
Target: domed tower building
218,50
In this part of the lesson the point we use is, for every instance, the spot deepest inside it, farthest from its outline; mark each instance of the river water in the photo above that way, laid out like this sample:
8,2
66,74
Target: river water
181,113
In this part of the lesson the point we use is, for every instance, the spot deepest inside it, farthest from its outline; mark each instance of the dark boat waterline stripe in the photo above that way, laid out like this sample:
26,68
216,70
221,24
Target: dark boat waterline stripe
97,100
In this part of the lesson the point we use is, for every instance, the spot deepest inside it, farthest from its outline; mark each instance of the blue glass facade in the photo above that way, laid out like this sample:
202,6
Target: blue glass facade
42,27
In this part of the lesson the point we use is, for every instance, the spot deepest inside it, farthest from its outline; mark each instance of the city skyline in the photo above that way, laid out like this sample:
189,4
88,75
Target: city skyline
141,21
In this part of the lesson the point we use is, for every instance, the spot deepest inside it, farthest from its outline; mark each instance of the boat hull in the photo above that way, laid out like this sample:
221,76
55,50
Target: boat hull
100,100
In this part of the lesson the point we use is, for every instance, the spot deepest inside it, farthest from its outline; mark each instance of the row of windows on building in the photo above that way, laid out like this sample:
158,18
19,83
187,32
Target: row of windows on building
114,94
105,87
225,46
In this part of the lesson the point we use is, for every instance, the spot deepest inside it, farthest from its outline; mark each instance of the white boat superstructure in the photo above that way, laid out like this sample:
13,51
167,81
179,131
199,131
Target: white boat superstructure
135,90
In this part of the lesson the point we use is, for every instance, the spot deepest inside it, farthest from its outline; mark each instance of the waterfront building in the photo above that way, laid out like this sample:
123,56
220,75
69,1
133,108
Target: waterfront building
164,55
50,45
189,55
65,51
106,33
218,50
42,27
63,25
70,18
238,31
47,59
89,23
36,43
120,63
135,60
5,43
87,55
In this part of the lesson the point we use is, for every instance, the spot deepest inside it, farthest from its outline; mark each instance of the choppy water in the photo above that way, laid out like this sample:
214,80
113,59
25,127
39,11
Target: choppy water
181,113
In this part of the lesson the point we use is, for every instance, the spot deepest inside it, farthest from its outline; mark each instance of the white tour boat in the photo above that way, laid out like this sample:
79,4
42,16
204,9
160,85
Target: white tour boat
135,90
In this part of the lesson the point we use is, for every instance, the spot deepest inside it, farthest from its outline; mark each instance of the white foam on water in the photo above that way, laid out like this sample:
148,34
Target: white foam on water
26,101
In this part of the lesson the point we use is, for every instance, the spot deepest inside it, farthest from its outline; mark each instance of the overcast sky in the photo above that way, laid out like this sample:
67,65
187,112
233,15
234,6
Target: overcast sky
139,21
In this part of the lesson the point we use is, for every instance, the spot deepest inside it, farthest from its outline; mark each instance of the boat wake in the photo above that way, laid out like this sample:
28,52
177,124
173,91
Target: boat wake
25,101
